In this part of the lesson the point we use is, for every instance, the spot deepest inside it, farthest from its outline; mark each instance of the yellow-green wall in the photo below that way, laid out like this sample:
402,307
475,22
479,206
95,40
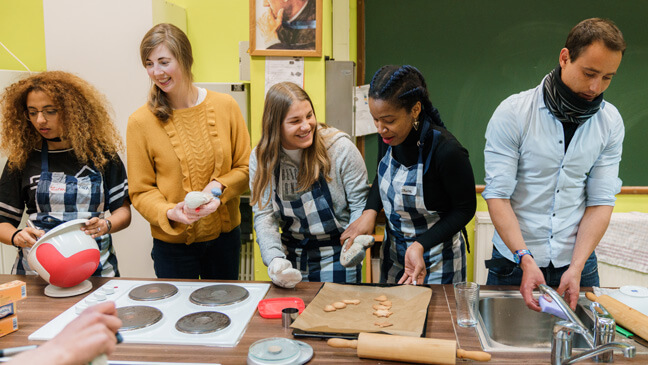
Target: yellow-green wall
23,32
215,28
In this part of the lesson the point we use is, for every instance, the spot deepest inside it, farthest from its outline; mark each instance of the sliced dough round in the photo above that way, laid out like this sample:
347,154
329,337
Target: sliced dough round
339,305
329,308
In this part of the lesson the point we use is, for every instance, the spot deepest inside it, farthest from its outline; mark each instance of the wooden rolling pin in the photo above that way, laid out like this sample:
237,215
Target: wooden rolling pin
628,317
411,349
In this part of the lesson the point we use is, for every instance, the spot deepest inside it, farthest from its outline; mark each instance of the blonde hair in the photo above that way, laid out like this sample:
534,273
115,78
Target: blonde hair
315,160
82,110
180,47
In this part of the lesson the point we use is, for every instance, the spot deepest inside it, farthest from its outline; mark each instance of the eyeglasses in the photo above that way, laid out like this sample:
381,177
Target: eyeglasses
48,113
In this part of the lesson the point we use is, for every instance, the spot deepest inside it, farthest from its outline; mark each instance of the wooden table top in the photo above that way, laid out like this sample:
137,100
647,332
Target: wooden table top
38,309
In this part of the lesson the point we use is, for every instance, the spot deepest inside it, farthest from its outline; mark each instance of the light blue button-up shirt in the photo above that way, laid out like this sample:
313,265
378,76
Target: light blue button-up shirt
549,189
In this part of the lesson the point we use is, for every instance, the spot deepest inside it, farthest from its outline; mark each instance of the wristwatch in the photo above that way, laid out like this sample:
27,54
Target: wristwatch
517,256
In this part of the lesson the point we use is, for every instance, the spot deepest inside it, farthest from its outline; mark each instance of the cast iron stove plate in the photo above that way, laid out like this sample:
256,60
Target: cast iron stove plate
221,294
203,322
155,291
138,316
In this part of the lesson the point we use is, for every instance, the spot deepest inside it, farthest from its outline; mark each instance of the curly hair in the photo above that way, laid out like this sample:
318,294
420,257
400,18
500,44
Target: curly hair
83,111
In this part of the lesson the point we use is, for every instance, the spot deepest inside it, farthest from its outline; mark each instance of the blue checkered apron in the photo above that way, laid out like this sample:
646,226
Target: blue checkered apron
311,235
401,191
61,198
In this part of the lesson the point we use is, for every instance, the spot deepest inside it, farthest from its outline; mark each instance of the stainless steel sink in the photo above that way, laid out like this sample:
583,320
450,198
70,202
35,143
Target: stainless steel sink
506,324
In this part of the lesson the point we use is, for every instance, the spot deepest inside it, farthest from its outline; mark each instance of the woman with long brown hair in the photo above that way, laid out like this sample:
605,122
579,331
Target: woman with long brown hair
308,180
187,139
62,164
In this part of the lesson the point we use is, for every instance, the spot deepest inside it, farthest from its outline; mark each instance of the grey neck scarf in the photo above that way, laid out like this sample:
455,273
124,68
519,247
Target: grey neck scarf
564,104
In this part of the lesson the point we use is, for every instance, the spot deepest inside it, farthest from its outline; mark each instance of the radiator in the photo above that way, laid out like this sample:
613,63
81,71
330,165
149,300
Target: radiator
610,275
246,267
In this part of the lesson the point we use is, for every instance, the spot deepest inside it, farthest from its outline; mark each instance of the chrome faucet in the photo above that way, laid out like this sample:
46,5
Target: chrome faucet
561,347
571,316
604,330
604,327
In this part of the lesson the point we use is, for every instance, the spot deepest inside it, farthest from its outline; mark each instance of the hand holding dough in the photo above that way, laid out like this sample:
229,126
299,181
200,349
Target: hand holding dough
194,199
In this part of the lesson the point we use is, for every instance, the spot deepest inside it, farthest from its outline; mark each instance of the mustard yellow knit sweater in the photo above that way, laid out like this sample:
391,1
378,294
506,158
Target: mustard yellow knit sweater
206,142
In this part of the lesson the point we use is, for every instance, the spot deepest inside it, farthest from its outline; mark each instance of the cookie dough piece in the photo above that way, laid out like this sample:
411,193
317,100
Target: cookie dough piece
382,313
351,301
381,298
379,307
383,324
329,308
386,303
339,305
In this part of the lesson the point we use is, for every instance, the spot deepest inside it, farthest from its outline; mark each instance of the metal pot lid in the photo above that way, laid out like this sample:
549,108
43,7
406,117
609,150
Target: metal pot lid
221,294
155,291
279,351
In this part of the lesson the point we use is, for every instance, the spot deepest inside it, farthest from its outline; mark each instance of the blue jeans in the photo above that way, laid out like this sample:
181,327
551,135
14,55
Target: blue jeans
216,259
505,272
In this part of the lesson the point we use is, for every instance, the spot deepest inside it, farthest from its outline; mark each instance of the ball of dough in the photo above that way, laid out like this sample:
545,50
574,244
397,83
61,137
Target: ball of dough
194,199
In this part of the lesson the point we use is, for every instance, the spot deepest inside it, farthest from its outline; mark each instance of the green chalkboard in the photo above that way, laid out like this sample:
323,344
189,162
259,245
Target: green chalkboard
475,53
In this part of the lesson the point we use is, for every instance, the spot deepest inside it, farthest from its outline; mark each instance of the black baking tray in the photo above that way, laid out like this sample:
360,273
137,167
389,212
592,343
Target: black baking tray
351,336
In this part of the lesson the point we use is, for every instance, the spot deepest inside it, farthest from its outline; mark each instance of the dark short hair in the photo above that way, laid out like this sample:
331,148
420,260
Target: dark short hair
592,30
404,86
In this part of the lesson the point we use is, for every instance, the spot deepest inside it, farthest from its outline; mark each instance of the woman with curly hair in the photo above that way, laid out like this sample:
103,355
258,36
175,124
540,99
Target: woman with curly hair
62,164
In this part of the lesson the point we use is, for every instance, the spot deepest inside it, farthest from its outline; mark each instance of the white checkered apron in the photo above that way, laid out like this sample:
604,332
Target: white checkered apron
61,198
311,235
401,191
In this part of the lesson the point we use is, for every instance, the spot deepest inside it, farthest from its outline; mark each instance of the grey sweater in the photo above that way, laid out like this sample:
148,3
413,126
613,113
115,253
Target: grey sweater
348,187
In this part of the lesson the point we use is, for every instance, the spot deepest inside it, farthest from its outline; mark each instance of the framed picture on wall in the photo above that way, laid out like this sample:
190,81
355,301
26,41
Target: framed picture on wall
286,28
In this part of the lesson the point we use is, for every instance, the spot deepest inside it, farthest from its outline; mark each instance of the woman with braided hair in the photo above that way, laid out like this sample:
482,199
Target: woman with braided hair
424,183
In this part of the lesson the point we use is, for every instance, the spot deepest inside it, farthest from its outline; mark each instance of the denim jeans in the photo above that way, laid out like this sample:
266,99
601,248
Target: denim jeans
506,272
216,259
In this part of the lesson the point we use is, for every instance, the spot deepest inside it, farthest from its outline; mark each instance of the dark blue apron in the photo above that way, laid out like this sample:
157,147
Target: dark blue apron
401,191
311,235
61,198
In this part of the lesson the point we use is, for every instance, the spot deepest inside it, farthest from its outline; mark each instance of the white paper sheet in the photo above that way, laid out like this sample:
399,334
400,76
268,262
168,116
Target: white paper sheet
363,120
279,69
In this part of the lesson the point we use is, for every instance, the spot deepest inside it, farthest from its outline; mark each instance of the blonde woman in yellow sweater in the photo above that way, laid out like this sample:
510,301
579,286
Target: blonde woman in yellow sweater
187,139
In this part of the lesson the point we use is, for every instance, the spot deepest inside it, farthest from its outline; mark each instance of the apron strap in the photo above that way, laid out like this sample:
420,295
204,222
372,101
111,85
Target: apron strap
44,157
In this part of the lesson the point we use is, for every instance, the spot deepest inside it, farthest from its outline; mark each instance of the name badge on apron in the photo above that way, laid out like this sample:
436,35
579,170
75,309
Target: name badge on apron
57,188
408,190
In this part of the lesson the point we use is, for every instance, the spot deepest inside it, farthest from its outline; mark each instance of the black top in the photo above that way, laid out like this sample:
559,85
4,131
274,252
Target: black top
18,187
448,185
569,129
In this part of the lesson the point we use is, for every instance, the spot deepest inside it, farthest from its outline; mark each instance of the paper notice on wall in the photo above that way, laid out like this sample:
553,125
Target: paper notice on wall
364,123
280,69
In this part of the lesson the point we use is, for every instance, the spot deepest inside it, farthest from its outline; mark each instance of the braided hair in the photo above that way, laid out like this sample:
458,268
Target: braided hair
404,86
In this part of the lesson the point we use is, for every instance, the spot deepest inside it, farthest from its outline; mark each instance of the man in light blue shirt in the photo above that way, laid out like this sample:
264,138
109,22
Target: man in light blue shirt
552,160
